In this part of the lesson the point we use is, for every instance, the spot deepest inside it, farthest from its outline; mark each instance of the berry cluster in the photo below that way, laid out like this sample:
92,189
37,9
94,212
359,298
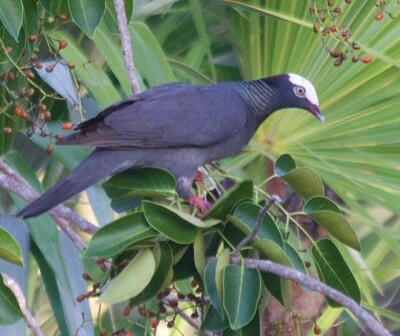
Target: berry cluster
29,103
327,14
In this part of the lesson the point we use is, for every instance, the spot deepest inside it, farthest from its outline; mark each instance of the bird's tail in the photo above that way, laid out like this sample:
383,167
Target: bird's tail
98,165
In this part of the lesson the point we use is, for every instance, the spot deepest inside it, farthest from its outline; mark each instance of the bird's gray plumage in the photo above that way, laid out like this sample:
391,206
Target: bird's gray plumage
178,127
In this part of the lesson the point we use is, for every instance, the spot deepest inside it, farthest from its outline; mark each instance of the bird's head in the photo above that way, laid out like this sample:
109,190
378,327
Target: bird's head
296,91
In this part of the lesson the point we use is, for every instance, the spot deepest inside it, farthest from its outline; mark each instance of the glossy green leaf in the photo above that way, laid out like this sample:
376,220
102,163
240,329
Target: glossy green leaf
253,328
246,215
332,221
294,258
302,180
110,49
316,204
161,275
113,238
334,271
210,285
16,46
126,188
11,15
149,57
87,14
176,226
46,5
242,290
9,248
110,17
199,252
42,226
31,17
284,165
96,81
132,280
213,320
223,261
9,308
224,205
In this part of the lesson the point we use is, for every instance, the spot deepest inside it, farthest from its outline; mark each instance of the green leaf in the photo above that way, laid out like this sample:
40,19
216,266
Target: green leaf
284,165
46,5
245,215
214,321
95,79
222,261
132,280
224,205
110,17
42,226
320,204
16,46
110,49
31,18
302,180
126,188
334,271
210,285
148,56
87,14
115,237
11,14
9,308
253,328
161,275
199,252
176,226
324,212
9,248
242,290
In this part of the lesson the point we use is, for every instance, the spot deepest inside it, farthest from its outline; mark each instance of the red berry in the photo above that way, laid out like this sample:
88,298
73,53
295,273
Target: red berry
63,17
19,111
366,59
62,43
378,16
49,150
81,297
7,130
66,126
32,37
154,323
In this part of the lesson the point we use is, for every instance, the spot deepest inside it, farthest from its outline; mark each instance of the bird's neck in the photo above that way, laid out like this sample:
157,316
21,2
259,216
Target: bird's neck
261,98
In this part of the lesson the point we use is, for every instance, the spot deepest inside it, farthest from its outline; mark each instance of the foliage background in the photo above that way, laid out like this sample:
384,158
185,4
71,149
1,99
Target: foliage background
355,151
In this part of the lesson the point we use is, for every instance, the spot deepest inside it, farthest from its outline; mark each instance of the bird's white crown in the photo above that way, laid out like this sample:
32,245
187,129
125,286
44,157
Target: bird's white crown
311,94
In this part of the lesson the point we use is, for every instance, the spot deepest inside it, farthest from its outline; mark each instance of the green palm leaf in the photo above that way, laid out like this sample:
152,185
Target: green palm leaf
355,149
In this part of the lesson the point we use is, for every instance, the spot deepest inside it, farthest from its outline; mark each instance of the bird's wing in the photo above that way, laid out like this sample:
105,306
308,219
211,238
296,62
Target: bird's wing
174,115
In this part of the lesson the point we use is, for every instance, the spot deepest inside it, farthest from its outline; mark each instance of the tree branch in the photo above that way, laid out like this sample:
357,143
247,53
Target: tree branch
30,320
11,181
318,286
126,45
261,214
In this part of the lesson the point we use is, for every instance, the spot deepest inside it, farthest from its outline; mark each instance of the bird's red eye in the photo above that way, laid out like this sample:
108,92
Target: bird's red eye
300,91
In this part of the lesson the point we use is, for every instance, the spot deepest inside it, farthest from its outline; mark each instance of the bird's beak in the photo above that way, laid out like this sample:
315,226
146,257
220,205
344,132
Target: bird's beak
314,109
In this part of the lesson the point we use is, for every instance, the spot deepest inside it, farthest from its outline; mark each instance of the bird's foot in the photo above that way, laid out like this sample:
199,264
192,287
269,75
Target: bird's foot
200,203
199,178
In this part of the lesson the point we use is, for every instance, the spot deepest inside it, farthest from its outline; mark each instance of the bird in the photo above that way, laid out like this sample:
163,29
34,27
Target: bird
177,127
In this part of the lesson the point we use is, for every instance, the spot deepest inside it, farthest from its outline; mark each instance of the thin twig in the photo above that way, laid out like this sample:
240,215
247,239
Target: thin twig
126,45
30,320
236,254
318,286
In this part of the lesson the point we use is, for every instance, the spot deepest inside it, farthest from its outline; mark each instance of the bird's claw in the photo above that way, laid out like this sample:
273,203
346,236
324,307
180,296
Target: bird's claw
198,202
